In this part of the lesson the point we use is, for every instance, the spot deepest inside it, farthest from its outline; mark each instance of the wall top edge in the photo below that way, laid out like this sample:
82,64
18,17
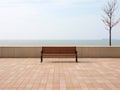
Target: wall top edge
58,46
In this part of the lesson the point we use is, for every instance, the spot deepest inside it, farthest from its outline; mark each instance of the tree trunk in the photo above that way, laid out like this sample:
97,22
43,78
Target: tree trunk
110,31
110,42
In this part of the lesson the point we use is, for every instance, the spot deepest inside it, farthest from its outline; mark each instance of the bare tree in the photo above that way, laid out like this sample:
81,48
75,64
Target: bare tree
109,18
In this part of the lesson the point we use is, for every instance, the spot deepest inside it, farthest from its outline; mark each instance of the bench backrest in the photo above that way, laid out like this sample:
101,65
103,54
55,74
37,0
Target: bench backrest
58,49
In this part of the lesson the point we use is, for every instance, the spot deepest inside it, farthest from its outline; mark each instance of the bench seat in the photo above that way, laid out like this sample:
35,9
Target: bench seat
58,54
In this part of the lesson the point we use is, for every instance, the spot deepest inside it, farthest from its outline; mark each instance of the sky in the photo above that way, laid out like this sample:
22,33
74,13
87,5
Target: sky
54,20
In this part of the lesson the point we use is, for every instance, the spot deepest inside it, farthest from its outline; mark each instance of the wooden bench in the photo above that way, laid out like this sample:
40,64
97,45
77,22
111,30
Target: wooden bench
58,51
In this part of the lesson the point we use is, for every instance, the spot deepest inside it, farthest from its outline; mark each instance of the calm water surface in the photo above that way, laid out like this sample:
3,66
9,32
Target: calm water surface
58,43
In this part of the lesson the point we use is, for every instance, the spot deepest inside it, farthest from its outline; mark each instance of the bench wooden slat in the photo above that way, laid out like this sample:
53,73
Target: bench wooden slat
55,54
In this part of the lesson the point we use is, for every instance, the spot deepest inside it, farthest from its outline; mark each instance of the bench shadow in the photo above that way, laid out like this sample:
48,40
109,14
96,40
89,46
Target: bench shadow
70,62
62,62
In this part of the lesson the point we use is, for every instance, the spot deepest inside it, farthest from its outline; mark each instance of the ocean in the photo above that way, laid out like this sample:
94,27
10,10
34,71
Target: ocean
37,43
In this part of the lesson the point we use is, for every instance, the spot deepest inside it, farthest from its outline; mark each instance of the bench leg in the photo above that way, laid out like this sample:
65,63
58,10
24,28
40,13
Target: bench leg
41,59
76,59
